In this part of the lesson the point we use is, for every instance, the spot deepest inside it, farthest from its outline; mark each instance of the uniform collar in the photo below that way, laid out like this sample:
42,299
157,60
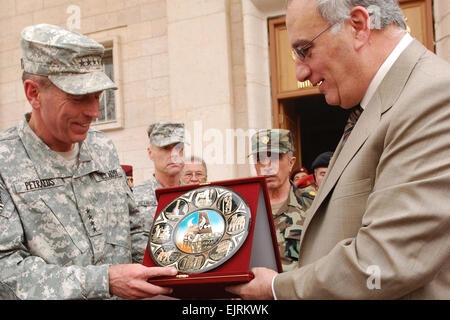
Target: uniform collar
50,164
157,185
293,200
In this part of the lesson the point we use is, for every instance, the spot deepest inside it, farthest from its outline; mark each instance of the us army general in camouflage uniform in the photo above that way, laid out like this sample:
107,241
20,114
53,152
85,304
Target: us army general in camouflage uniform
166,152
273,153
68,221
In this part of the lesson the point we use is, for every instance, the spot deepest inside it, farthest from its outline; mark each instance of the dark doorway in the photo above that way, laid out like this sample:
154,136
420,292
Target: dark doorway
321,125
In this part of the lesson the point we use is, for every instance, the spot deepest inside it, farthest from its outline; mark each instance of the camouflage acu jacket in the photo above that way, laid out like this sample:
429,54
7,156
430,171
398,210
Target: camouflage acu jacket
146,201
306,195
288,221
60,227
145,197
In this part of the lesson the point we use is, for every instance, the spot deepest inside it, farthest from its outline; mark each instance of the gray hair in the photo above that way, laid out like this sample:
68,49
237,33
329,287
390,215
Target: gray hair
290,155
43,81
382,12
197,160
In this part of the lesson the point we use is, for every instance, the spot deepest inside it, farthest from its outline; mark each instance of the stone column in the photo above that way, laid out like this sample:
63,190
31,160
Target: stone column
201,79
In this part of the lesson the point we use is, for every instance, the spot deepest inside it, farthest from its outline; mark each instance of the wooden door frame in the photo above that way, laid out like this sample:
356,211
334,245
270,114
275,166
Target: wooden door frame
277,96
430,43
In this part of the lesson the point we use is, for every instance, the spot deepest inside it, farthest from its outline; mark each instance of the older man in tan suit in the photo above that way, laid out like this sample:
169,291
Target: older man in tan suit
379,226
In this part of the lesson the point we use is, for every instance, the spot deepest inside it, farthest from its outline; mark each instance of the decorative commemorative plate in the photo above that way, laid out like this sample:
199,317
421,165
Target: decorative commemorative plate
200,230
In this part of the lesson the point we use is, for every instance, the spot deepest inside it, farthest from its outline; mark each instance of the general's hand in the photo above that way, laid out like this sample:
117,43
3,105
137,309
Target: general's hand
260,288
129,281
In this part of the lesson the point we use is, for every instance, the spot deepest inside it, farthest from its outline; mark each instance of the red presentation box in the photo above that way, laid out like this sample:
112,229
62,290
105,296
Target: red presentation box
259,249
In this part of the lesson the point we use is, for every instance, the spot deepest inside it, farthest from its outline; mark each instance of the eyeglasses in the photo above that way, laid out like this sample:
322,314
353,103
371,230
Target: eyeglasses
301,52
198,174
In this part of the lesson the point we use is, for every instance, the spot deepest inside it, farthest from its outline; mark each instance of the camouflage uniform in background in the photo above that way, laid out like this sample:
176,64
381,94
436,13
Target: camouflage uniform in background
289,215
160,134
306,195
62,225
145,197
288,219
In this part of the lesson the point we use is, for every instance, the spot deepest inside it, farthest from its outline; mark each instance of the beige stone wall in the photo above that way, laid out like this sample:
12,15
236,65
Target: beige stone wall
203,62
200,71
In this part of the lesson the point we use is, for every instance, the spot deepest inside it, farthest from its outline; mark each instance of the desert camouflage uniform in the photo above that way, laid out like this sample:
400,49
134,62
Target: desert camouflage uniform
288,221
61,227
306,195
289,216
145,197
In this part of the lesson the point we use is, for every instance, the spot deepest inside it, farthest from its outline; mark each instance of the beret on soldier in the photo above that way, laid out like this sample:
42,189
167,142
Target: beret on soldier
70,60
162,134
305,181
322,160
298,170
127,169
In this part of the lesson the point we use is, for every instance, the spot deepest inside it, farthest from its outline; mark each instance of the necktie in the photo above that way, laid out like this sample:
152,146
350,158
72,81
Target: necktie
352,118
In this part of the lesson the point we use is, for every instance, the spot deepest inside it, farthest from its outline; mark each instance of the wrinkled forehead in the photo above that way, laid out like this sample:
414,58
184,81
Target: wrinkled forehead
193,166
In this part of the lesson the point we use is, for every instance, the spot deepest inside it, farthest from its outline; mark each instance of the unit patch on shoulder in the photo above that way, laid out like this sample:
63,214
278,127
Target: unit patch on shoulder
309,194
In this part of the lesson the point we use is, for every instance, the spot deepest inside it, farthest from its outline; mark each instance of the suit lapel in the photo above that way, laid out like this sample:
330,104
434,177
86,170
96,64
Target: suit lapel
367,122
383,99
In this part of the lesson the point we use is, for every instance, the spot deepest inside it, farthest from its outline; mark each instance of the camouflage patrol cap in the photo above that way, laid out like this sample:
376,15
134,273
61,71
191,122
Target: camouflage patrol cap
273,140
162,134
71,61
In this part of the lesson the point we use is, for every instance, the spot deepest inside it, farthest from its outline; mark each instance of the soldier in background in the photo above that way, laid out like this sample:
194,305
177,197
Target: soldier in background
319,166
129,174
68,222
166,151
272,150
298,173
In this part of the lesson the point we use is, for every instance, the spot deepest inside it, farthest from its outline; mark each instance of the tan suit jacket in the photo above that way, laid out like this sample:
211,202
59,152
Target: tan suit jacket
379,227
